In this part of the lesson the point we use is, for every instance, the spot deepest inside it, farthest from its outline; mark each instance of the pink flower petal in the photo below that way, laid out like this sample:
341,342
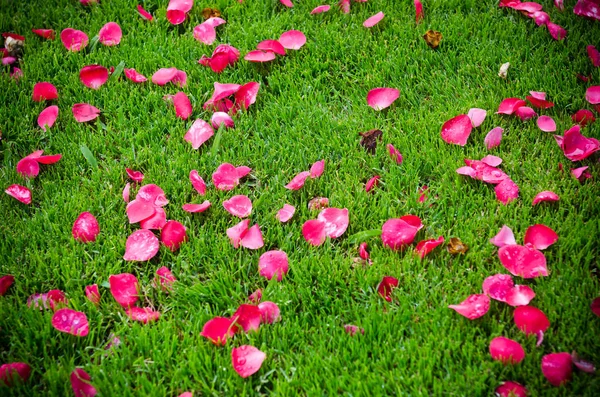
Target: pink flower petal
221,91
374,20
538,100
525,113
84,112
144,315
381,98
498,286
576,146
546,124
248,317
353,329
92,293
362,251
247,360
583,117
47,117
156,221
394,153
218,330
588,9
335,220
225,177
344,6
80,383
473,307
477,116
557,32
273,263
506,191
557,368
45,33
457,130
595,306
539,17
530,320
314,232
285,213
245,96
177,10
138,210
153,195
371,183
124,288
253,238
172,235
71,322
85,228
559,4
110,34
5,283
507,351
510,105
144,14
594,55
12,374
20,193
269,312
519,295
193,208
523,261
318,203
135,176
28,167
183,106
288,4
221,118
255,297
272,46
239,206
298,181
74,40
142,245
316,170
491,160
205,33
546,195
504,237
320,9
540,236
44,91
197,182
134,76
528,7
238,231
259,56
292,40
426,246
385,287
199,133
164,75
582,365
52,299
397,233
166,279
418,11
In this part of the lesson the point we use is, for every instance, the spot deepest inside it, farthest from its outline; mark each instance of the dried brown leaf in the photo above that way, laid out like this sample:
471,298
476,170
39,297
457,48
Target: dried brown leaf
432,38
455,246
369,140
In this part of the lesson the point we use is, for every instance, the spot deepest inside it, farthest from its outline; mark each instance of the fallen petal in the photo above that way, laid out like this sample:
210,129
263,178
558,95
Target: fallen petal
225,177
218,329
20,193
71,322
394,153
253,238
314,232
273,263
473,307
556,31
504,237
85,228
292,40
238,231
288,4
221,118
511,389
271,45
371,183
540,236
381,98
5,283
84,112
316,170
396,233
298,181
74,40
320,9
526,262
205,33
134,76
594,55
239,206
426,246
285,213
335,220
477,116
245,96
510,105
557,368
525,113
386,286
247,360
144,14
183,106
248,317
144,315
197,182
583,117
44,91
546,124
47,117
177,10
142,245
519,295
80,383
530,320
92,293
269,312
49,33
498,286
259,56
353,329
374,20
164,75
582,365
193,208
110,34
457,130
506,350
506,191
172,235
546,195
124,288
12,374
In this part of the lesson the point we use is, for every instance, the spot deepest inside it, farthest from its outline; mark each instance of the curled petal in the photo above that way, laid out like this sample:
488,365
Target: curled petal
218,330
546,124
385,287
256,296
506,350
74,40
530,320
197,182
477,116
177,10
225,177
253,238
71,322
142,245
546,195
135,176
205,33
316,170
298,181
124,288
457,130
248,317
538,100
156,221
92,293
582,365
292,40
45,33
362,251
47,117
239,206
394,153
110,34
238,231
85,228
221,91
520,295
557,368
426,246
371,183
285,213
540,236
80,383
247,360
20,193
473,307
374,20
134,76
271,45
173,234
504,237
245,96
576,146
221,118
381,98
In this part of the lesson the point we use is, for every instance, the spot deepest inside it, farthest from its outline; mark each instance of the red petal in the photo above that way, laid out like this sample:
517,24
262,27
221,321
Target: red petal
85,228
177,10
362,251
84,112
71,322
477,116
273,263
556,31
418,11
253,238
183,106
583,117
594,55
110,34
172,235
374,20
397,232
314,232
316,170
526,262
335,220
5,283
248,317
371,183
286,213
19,192
152,194
145,14
28,167
510,105
271,45
199,133
247,360
289,4
44,91
225,177
506,191
426,246
74,40
506,350
13,373
520,295
498,286
576,146
385,287
134,76
205,33
238,231
92,293
218,329
164,75
457,130
538,101
221,118
381,98
298,181
292,40
80,382
546,124
193,208
269,312
540,236
124,288
504,237
49,33
47,117
239,206
511,389
530,320
245,96
394,153
595,306
141,245
546,195
142,314
473,307
197,182
557,368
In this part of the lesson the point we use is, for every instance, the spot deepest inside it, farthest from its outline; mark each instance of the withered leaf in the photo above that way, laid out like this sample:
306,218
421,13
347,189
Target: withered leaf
432,38
369,140
455,246
210,13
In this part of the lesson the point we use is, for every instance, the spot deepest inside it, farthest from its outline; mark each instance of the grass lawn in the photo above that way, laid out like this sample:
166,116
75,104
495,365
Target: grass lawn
311,106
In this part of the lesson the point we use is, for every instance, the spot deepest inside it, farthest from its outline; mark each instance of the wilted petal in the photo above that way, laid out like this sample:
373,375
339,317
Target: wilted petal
506,350
259,56
583,117
394,153
504,237
546,124
239,206
540,236
144,315
374,20
145,14
20,193
44,91
124,288
5,283
519,295
80,383
92,293
248,317
477,116
457,130
320,9
292,40
557,32
396,233
110,34
218,329
530,320
298,181
177,10
238,231
314,232
141,245
557,368
71,322
247,360
193,208
84,112
74,40
381,98
511,389
172,235
225,177
286,213
85,228
221,118
426,246
506,191
385,287
353,329
269,312
510,105
47,117
473,307
498,286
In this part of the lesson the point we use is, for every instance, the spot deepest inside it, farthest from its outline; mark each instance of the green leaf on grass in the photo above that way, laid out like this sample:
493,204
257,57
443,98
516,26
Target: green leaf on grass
217,142
118,70
364,235
89,156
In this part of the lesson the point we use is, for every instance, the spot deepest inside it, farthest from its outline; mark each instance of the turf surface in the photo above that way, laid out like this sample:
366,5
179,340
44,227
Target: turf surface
311,106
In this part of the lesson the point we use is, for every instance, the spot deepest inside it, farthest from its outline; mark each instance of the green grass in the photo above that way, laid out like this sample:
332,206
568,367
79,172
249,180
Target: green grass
311,106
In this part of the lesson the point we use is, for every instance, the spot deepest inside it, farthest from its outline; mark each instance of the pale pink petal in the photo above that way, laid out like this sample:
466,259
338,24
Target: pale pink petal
594,55
247,360
44,91
71,322
144,315
225,177
457,130
205,33
74,40
16,74
491,160
510,105
344,6
134,76
218,330
546,124
477,116
353,329
557,368
399,232
156,221
426,246
215,21
498,286
269,312
126,190
546,195
394,153
273,263
511,389
381,98
142,245
164,75
172,235
540,236
110,34
523,261
20,193
386,286
559,4
221,118
292,40
272,46
239,206
85,228
238,231
135,176
286,213
259,56
298,181
374,20
47,117
193,208
145,14
506,191
253,238
583,117
320,9
221,91
506,350
80,383
316,170
197,182
335,220
183,107
504,237
314,232
287,3
199,133
473,307
519,295
177,10
592,95
83,112
557,32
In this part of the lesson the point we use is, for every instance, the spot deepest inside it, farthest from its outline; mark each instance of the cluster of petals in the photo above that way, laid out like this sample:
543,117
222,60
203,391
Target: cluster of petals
575,146
245,236
206,32
224,55
243,97
486,170
227,176
535,12
316,170
177,10
501,287
331,222
170,75
147,207
29,166
397,233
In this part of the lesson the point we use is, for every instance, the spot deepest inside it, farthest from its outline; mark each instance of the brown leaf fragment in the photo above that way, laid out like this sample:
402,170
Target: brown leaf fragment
455,246
369,140
432,38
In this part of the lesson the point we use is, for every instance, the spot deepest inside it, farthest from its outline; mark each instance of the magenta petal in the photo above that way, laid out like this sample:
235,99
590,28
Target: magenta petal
92,293
134,76
245,96
47,33
510,105
335,221
286,213
71,322
177,10
546,195
141,245
74,40
80,383
287,3
457,130
530,320
527,6
594,55
28,167
239,206
592,95
238,231
172,235
164,75
44,91
506,350
222,91
199,133
273,263
47,117
85,228
576,146
477,116
557,32
374,20
221,118
271,45
135,176
247,360
525,113
205,33
144,14
526,262
259,56
248,317
371,183
582,365
183,106
511,389
110,34
124,288
152,194
540,236
292,40
394,153
93,76
156,221
218,329
540,17
84,112
5,283
314,232
386,286
142,314
504,237
381,98
546,124
13,373
298,181
20,193
253,238
138,210
557,368
498,286
225,177
193,208
362,251
473,307
519,295
396,233
269,312
506,191
491,160
320,9
197,182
